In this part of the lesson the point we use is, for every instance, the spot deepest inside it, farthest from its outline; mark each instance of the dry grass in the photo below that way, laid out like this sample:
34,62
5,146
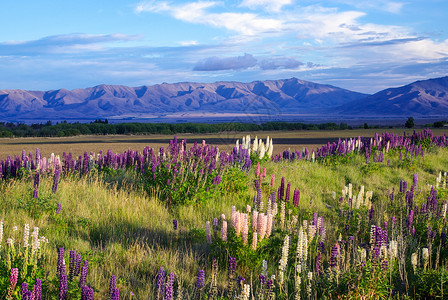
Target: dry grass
294,140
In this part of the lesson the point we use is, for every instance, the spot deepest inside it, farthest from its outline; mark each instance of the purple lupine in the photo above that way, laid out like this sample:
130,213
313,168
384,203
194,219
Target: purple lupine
77,265
318,257
334,255
160,282
315,219
86,293
112,285
281,191
240,280
288,191
415,180
385,264
174,224
24,292
63,287
262,279
55,182
321,247
36,181
296,197
36,193
410,219
58,208
115,294
71,265
201,280
169,287
60,264
84,270
232,264
37,290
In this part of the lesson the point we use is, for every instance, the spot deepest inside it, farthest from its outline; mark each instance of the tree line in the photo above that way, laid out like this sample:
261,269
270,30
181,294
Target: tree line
103,127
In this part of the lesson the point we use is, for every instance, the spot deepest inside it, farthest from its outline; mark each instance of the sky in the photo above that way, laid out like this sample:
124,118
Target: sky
361,45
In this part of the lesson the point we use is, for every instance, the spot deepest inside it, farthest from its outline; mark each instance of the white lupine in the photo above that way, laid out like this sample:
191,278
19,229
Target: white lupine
393,249
350,190
444,209
26,235
248,208
264,268
308,287
245,293
255,145
414,260
283,263
10,242
312,231
425,256
262,151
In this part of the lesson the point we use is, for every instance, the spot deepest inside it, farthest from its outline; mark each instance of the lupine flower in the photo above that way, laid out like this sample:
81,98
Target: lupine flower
112,285
115,294
37,290
24,292
77,265
71,265
12,282
84,270
201,280
174,224
63,287
55,182
86,293
61,263
58,208
160,283
169,287
272,180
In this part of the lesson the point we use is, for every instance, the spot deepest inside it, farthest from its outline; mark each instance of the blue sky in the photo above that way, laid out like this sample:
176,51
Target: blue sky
362,45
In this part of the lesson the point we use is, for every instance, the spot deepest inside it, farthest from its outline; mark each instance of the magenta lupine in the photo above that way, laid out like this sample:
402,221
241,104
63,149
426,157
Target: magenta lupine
84,270
12,282
63,287
258,169
112,285
272,180
281,192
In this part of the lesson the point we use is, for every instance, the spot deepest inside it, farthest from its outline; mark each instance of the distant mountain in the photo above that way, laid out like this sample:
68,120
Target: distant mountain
421,98
272,97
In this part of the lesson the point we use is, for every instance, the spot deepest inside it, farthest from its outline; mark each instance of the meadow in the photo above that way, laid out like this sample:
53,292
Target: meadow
194,221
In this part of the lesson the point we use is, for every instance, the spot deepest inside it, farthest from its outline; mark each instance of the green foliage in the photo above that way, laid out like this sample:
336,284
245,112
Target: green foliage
409,123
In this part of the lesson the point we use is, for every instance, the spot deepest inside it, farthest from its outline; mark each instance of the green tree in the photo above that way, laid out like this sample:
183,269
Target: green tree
409,123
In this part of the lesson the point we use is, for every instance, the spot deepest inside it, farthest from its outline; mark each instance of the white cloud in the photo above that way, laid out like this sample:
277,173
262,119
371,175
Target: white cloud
249,24
393,7
270,5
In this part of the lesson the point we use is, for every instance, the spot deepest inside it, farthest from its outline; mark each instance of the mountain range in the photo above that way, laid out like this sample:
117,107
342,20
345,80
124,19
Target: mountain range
271,97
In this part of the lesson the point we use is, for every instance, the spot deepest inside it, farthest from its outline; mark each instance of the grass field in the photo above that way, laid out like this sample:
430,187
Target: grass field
294,140
328,246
